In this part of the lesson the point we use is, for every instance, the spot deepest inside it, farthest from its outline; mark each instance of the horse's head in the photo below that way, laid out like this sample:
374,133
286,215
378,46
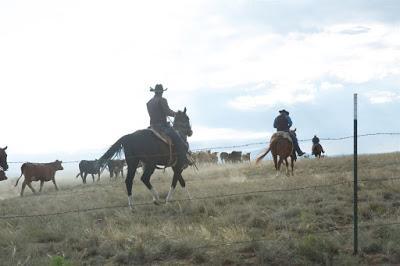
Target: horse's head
3,158
182,123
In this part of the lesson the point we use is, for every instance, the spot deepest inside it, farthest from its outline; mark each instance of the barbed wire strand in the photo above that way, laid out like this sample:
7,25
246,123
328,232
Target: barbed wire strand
239,146
194,199
173,201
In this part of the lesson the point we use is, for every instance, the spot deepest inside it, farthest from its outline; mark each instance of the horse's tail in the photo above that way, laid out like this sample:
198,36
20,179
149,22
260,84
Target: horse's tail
261,156
22,172
115,148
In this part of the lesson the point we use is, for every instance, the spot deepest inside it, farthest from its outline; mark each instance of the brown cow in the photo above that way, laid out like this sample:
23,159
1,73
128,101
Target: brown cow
2,175
205,157
42,172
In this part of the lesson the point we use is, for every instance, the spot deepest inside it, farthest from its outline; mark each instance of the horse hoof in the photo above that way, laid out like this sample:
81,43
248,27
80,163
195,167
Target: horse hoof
157,202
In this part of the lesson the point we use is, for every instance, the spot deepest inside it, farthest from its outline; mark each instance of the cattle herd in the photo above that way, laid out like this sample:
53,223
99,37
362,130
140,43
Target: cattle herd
202,157
45,172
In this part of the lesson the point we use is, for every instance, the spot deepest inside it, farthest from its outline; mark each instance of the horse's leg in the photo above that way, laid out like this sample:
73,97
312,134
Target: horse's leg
84,178
148,171
94,178
132,165
275,157
279,164
173,186
292,164
287,167
183,183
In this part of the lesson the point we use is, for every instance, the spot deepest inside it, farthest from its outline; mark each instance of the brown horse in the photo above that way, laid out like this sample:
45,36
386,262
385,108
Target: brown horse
280,145
317,150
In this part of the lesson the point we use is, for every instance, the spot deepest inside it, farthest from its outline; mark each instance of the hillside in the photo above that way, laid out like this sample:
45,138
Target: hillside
241,214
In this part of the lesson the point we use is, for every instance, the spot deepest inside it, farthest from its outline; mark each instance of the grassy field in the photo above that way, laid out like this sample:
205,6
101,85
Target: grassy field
271,228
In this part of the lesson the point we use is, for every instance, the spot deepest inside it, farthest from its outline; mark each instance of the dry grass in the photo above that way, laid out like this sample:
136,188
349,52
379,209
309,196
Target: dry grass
197,232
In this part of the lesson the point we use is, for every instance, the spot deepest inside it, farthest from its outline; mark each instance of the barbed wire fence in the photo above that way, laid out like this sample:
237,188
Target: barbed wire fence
211,197
240,194
300,233
250,144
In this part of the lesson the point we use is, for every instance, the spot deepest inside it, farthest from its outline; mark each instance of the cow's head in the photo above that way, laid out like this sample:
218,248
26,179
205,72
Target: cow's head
57,165
3,158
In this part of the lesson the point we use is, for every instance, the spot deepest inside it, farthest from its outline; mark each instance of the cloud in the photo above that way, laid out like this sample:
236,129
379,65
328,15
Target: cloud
352,30
282,94
383,96
82,69
296,63
328,86
203,133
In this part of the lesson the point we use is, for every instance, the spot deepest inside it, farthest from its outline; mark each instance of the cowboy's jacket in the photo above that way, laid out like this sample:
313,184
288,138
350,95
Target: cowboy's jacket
158,110
282,122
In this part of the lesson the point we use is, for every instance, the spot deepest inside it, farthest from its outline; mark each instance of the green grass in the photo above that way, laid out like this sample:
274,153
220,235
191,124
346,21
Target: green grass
217,231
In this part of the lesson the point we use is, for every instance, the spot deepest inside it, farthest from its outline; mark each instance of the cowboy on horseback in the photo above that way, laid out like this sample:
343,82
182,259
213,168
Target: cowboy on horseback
283,122
316,147
159,110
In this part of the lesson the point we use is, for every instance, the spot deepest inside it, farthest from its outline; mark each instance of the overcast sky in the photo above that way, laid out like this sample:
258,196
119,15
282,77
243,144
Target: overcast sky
75,75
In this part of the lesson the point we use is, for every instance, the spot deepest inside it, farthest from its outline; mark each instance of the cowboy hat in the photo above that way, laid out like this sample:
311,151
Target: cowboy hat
158,88
284,111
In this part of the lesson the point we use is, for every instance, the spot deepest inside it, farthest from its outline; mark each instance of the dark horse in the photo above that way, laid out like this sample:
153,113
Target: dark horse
280,145
143,146
317,150
3,163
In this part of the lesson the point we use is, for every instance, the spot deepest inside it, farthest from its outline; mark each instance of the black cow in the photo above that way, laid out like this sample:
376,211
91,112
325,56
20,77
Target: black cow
116,167
88,167
234,157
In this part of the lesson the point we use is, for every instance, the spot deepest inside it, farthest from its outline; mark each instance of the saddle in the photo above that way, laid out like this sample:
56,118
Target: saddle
281,134
167,140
